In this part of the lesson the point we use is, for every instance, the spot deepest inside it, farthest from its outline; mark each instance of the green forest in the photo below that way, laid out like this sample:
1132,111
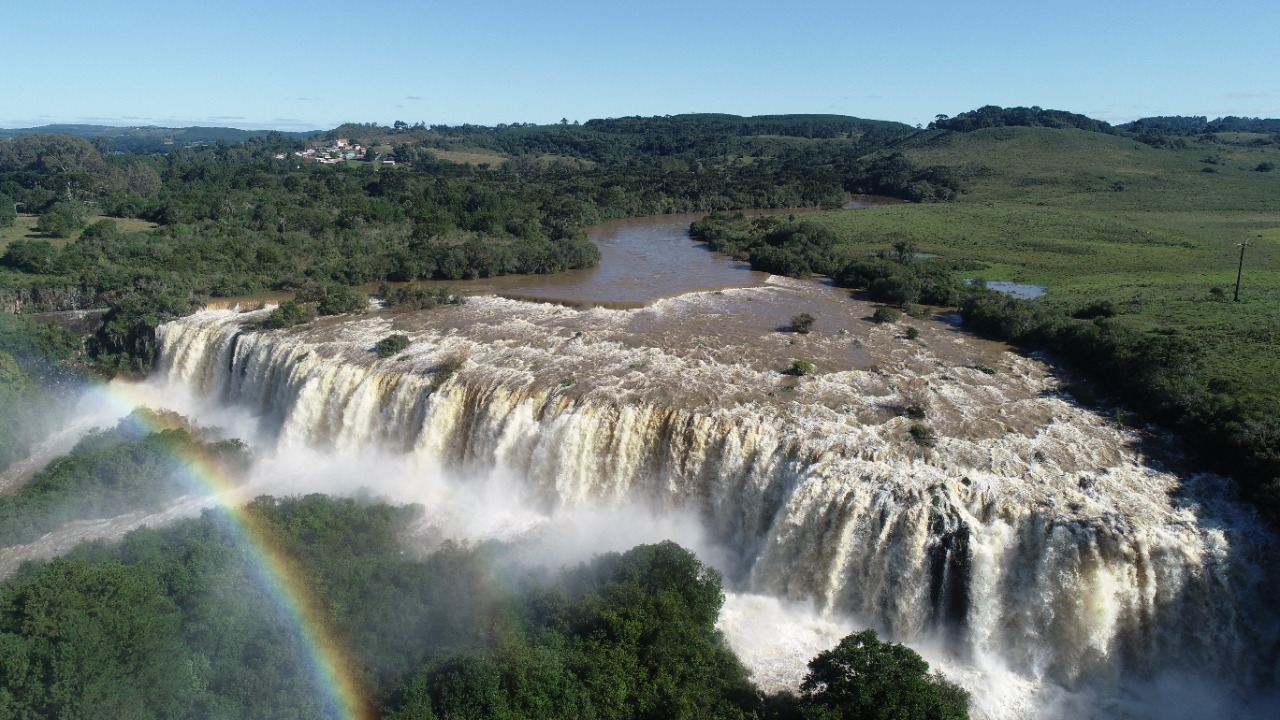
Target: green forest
176,623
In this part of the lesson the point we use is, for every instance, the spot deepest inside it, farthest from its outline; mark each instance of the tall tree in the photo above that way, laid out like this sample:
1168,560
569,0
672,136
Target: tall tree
864,678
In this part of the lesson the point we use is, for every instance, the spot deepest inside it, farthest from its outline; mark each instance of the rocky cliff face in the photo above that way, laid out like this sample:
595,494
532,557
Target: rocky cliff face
18,300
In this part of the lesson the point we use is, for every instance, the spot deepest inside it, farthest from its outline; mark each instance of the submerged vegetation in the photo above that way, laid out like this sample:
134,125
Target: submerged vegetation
391,345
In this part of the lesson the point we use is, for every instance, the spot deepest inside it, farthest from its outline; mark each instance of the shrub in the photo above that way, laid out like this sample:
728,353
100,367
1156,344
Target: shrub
800,368
30,256
901,289
1096,309
886,314
864,677
8,213
62,220
913,333
449,365
915,400
334,298
905,250
923,435
391,345
419,298
288,314
1264,167
802,323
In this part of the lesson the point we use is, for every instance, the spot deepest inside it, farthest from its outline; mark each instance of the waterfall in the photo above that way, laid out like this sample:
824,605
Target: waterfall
1035,530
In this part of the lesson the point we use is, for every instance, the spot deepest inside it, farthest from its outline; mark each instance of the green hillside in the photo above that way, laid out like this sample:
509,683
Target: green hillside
1041,206
1079,170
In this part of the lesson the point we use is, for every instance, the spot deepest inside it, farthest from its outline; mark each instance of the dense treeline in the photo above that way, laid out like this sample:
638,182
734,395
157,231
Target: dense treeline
1179,132
621,141
1159,373
784,247
152,139
1167,132
895,175
175,623
1202,124
995,116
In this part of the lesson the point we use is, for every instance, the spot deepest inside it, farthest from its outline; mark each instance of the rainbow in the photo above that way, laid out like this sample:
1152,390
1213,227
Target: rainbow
332,668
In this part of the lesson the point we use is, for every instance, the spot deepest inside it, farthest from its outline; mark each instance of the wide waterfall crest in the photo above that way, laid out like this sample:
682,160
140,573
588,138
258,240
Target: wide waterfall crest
1034,531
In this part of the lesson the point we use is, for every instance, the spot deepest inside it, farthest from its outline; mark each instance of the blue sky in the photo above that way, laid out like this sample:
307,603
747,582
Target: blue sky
294,65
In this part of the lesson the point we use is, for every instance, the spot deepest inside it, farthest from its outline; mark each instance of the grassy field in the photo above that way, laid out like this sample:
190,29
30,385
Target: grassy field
476,157
25,229
1042,206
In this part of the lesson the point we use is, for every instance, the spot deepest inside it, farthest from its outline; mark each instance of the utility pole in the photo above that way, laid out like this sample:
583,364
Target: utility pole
1240,270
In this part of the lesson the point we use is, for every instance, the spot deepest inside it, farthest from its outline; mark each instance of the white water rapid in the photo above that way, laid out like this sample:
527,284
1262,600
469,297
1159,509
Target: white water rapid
1036,550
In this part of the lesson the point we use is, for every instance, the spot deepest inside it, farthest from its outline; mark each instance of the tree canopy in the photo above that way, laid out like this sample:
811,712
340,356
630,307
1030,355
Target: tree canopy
864,678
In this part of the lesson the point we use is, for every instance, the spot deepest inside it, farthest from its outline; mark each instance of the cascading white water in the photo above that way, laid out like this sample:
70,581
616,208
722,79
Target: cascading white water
1034,532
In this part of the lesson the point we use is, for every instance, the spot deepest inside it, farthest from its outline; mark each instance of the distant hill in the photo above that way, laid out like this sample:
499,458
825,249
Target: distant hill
149,139
995,116
1085,170
794,125
628,139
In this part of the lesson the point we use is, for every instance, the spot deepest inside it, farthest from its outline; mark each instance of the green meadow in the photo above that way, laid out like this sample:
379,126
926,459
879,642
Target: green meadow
1093,217
24,228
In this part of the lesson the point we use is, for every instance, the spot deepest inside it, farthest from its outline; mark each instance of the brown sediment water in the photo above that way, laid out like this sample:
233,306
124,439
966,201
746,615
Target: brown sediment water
642,260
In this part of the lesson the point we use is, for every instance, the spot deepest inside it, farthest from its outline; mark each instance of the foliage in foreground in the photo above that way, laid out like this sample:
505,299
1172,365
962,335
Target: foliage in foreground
174,623
864,678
